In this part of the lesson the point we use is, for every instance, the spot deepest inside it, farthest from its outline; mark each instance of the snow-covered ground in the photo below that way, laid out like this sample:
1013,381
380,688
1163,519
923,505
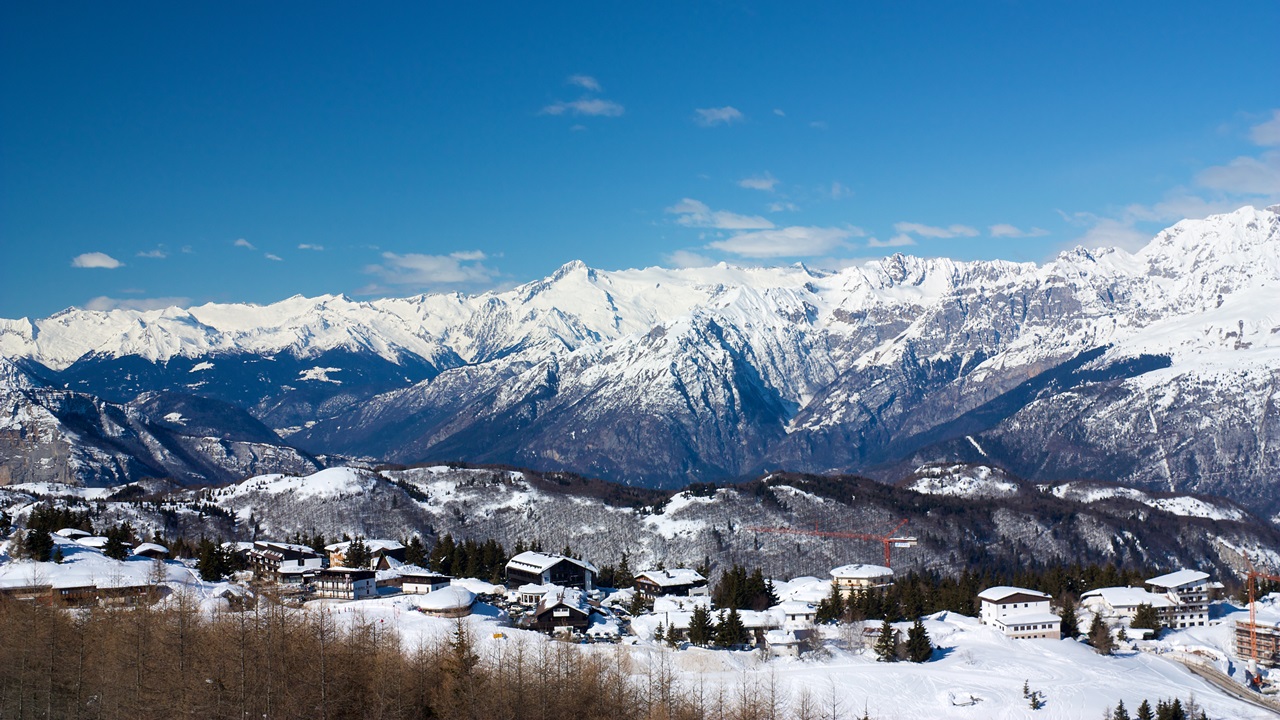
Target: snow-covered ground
974,664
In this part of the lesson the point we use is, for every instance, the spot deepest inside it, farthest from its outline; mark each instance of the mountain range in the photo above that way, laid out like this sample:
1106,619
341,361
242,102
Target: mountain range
1156,369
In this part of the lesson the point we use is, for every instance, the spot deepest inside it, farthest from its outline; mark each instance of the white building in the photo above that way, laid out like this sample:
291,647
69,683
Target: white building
419,581
1189,593
797,614
346,583
1121,603
675,581
450,602
859,577
1019,612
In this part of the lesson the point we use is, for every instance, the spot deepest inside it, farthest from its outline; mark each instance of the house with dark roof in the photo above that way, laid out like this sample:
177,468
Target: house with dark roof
535,568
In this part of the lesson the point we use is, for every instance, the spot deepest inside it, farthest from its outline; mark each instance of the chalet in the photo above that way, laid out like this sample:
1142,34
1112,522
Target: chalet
420,582
859,578
797,614
540,569
1019,613
346,583
561,610
1189,593
453,601
677,581
272,560
379,551
530,594
786,643
97,542
73,533
151,550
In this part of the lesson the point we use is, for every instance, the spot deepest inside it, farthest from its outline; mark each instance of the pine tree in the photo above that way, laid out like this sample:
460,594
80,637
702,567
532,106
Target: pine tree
1120,712
37,544
622,577
887,643
730,631
1026,688
1037,700
659,634
117,543
830,608
700,627
919,646
357,554
415,553
1070,623
1146,617
1144,711
1100,636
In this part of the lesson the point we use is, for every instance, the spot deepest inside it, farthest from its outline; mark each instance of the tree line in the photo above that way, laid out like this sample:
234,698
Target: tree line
171,661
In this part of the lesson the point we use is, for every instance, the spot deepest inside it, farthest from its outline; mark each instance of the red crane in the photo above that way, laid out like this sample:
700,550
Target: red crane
889,539
1254,575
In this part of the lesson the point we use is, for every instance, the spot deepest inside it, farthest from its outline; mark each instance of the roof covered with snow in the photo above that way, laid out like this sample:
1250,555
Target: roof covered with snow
1000,592
1036,618
672,577
371,544
148,547
1127,597
1179,578
537,562
861,571
447,599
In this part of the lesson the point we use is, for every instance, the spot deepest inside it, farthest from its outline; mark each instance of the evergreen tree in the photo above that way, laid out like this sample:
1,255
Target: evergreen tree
1144,711
441,558
415,553
1037,700
357,554
659,634
37,544
700,627
1070,623
1120,712
830,608
1146,617
887,643
118,539
730,631
622,577
919,646
1100,636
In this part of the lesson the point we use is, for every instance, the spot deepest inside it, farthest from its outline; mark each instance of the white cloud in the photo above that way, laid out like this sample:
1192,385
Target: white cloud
778,112
901,240
104,303
159,253
1267,133
585,81
783,207
459,269
244,244
693,213
839,191
1013,231
273,256
931,231
818,125
1106,232
759,182
187,249
1245,175
708,117
596,107
686,259
795,241
95,260
309,246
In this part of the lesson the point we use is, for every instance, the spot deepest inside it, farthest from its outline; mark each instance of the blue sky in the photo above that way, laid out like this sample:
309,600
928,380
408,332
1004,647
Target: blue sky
181,152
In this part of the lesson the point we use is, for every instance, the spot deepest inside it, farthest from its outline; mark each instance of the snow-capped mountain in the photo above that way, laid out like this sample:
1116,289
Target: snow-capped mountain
1155,368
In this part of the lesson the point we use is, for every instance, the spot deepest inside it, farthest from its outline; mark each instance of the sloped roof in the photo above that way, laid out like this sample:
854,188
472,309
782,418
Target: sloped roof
672,577
537,562
1000,592
1128,597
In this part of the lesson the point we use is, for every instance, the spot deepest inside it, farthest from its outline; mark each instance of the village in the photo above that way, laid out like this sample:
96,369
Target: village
560,595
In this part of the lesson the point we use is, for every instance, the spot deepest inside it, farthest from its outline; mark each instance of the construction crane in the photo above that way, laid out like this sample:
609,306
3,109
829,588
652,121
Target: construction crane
890,539
1255,678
